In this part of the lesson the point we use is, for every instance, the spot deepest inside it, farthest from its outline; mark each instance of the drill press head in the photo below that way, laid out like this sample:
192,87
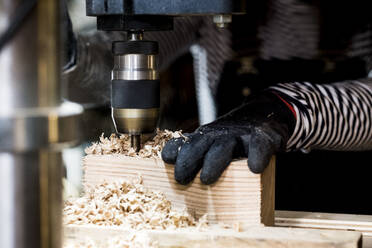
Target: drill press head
135,87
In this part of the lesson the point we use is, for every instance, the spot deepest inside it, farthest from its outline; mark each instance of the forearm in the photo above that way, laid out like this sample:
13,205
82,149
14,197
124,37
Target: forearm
331,116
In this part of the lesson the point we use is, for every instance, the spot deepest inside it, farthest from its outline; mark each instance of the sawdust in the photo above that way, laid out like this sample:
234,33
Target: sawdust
128,204
121,145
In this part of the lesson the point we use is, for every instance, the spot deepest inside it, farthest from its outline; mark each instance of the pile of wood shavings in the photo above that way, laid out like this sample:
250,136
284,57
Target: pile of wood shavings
129,205
121,145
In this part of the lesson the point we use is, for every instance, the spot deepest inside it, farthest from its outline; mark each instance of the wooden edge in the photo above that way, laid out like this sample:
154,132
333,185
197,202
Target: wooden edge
268,195
265,237
360,223
330,221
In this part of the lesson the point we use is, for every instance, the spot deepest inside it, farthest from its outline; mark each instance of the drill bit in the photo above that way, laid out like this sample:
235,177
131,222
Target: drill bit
135,141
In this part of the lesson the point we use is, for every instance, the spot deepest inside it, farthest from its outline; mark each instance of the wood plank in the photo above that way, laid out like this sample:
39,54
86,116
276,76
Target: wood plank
350,222
258,237
238,196
367,241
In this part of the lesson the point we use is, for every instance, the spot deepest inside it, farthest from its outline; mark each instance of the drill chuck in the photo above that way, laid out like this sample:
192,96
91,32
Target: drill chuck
135,91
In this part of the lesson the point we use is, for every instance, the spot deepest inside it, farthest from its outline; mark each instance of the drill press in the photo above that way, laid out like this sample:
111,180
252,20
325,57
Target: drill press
135,92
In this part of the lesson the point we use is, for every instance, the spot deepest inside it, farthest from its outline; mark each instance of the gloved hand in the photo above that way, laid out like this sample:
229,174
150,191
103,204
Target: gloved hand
257,130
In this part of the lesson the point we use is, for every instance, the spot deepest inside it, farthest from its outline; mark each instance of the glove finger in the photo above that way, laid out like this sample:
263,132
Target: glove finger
217,159
190,158
244,144
260,150
170,150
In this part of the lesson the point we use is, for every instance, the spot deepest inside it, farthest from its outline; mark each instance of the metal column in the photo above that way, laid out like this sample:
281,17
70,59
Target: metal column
35,125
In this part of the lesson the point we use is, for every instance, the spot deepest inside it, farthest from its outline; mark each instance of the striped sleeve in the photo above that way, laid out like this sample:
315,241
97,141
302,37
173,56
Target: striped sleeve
330,116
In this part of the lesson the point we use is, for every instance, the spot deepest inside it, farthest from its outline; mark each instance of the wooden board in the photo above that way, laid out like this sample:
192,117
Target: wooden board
258,237
351,222
239,196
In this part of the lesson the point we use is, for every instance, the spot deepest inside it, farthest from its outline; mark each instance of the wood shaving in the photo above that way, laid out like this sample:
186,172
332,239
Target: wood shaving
236,226
128,204
121,145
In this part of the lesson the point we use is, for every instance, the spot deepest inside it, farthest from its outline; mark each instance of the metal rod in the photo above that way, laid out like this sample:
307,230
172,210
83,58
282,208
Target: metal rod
135,35
29,65
33,126
135,142
31,199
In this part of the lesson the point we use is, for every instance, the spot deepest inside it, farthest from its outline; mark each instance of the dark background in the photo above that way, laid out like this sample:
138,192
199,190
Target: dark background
323,181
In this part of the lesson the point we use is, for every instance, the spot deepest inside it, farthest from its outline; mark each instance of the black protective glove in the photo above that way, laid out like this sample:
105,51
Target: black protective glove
257,130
